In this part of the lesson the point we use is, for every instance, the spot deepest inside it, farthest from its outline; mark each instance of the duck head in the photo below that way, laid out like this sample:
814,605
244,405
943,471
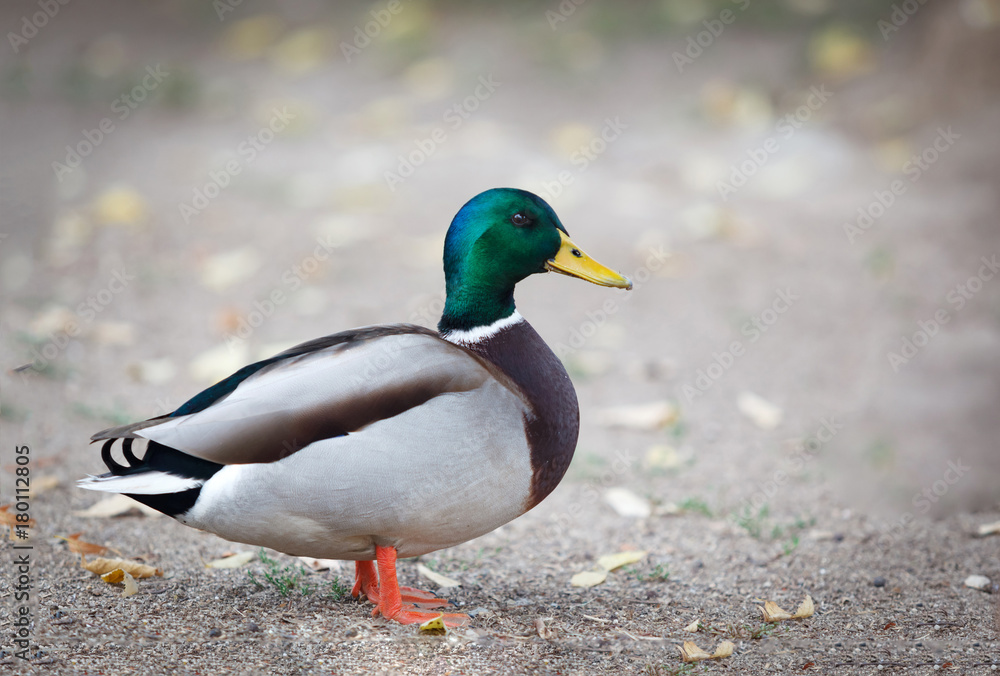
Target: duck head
497,239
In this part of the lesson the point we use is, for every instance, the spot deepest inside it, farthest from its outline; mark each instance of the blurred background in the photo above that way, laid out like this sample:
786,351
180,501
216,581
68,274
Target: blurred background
805,191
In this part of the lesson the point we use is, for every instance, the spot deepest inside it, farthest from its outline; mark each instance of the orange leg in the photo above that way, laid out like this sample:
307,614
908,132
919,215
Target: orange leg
365,581
416,609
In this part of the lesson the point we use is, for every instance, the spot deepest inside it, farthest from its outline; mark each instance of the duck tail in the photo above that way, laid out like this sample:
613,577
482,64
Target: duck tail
165,478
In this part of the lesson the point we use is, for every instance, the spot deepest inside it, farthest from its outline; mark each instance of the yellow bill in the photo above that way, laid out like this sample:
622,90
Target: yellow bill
570,260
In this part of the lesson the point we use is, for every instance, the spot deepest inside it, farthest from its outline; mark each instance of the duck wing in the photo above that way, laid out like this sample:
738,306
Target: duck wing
330,387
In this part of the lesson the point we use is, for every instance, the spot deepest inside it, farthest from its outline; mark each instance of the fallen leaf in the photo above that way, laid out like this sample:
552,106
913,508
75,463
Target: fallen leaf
100,566
119,576
988,529
663,457
773,613
437,578
647,417
693,627
221,271
589,578
116,505
120,205
611,562
42,484
763,413
692,653
626,503
82,547
10,520
234,561
543,633
434,625
805,609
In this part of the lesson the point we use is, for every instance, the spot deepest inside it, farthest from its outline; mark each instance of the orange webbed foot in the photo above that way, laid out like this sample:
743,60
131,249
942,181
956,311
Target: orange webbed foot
405,605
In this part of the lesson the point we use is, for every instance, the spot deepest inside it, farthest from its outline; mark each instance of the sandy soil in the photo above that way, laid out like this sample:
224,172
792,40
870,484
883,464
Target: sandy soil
858,496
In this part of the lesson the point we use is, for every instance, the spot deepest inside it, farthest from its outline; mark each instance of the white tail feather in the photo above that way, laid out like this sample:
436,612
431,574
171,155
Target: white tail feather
143,483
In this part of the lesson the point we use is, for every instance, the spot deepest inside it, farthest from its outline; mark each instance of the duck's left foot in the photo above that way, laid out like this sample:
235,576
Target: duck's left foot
405,604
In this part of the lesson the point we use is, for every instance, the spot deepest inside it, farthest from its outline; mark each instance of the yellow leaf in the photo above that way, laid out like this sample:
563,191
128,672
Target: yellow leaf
763,413
437,578
692,653
589,578
612,561
724,649
117,576
435,625
647,417
693,627
805,609
628,504
119,205
234,561
772,613
100,566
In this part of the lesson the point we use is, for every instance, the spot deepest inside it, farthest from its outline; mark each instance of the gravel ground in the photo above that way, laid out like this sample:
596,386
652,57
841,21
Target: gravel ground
857,494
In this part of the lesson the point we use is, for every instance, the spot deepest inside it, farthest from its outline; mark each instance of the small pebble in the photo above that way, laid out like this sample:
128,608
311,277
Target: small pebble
252,626
879,581
980,582
214,632
351,633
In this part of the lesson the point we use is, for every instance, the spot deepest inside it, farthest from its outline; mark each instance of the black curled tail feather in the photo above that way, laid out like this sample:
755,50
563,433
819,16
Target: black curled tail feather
161,458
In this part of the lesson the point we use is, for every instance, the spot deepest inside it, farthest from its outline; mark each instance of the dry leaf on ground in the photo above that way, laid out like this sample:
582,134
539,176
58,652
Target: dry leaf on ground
437,578
100,566
234,561
116,505
693,627
626,503
773,613
434,625
647,417
589,578
42,484
611,562
117,576
763,413
82,547
9,519
692,653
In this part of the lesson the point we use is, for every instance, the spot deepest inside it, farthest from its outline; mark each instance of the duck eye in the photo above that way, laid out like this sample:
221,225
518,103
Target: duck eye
520,219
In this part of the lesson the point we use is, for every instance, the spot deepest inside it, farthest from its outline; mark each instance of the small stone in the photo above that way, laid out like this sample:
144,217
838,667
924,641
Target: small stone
214,632
980,582
351,633
879,581
252,626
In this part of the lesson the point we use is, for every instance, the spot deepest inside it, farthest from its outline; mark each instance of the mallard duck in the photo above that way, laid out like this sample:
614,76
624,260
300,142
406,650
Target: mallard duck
385,441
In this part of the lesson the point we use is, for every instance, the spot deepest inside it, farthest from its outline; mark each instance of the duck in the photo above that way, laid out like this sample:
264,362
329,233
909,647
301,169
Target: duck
382,442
